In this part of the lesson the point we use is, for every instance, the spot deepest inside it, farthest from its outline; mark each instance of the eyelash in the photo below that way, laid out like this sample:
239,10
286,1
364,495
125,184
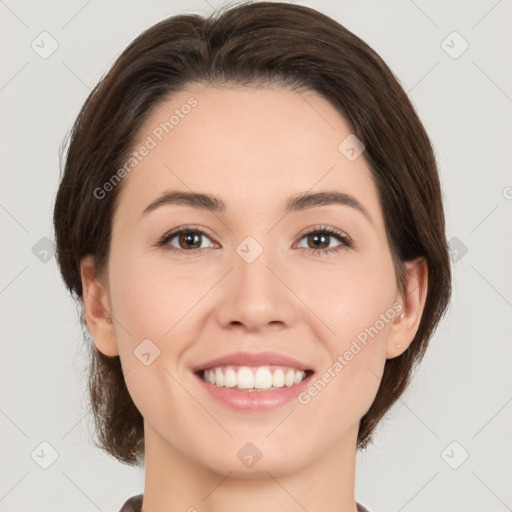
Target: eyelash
346,242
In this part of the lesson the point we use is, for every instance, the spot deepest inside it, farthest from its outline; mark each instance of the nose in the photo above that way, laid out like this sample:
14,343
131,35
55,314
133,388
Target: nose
256,296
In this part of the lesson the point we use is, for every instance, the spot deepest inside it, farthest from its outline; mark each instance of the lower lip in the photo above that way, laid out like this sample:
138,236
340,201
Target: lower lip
254,400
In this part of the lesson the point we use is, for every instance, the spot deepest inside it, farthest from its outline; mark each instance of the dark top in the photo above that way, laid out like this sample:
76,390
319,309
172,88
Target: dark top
134,504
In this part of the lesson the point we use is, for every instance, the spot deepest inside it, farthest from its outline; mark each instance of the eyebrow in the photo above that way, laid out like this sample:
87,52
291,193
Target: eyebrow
300,202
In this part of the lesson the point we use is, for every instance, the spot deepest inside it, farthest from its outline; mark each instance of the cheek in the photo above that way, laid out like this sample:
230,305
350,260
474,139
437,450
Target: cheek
149,300
352,298
151,305
357,306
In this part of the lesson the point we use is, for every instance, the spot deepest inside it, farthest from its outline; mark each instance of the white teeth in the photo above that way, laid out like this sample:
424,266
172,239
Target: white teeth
264,378
278,378
219,377
230,378
298,377
289,378
245,378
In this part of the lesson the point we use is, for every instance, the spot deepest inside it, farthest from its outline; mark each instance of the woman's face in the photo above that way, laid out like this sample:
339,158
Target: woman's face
251,277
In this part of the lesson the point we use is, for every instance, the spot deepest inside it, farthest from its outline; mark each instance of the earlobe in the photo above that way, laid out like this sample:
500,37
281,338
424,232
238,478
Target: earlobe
97,309
405,325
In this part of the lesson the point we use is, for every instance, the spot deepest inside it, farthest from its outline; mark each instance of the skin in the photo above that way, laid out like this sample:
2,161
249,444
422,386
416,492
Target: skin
254,149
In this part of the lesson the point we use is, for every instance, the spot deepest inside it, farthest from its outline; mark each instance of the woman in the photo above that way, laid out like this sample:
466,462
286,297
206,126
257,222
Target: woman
251,216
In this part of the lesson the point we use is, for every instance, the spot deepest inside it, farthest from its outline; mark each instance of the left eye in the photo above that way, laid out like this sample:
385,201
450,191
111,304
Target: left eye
189,240
319,236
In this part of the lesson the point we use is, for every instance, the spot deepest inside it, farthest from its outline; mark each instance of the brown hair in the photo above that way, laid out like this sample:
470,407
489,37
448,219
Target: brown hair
253,44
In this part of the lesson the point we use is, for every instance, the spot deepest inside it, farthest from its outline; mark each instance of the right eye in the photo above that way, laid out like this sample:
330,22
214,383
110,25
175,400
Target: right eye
188,239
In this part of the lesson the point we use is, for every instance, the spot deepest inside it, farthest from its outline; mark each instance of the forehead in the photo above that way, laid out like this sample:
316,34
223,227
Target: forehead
253,147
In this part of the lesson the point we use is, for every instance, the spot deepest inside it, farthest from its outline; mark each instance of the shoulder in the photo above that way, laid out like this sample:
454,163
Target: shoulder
361,508
133,504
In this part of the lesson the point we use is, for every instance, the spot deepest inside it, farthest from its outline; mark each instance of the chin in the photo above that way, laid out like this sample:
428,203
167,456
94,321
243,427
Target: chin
247,462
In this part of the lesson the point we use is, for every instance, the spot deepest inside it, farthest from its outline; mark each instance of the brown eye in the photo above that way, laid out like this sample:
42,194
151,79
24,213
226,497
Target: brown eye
184,240
319,241
189,240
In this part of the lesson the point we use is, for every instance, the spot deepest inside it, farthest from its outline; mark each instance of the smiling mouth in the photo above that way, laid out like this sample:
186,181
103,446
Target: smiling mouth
254,378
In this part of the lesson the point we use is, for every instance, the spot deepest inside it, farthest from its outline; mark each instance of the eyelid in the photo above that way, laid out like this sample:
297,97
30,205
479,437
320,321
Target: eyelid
345,240
164,240
323,227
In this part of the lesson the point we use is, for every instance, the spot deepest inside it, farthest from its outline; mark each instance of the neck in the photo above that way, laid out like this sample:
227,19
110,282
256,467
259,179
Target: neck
177,482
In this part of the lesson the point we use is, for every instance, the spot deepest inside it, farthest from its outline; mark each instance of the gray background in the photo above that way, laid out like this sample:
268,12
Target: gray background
461,394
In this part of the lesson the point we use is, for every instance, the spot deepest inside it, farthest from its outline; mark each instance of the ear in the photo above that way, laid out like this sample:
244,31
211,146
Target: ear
97,309
405,325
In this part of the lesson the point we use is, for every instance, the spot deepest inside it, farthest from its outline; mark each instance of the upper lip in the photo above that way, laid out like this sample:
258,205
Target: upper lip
252,359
